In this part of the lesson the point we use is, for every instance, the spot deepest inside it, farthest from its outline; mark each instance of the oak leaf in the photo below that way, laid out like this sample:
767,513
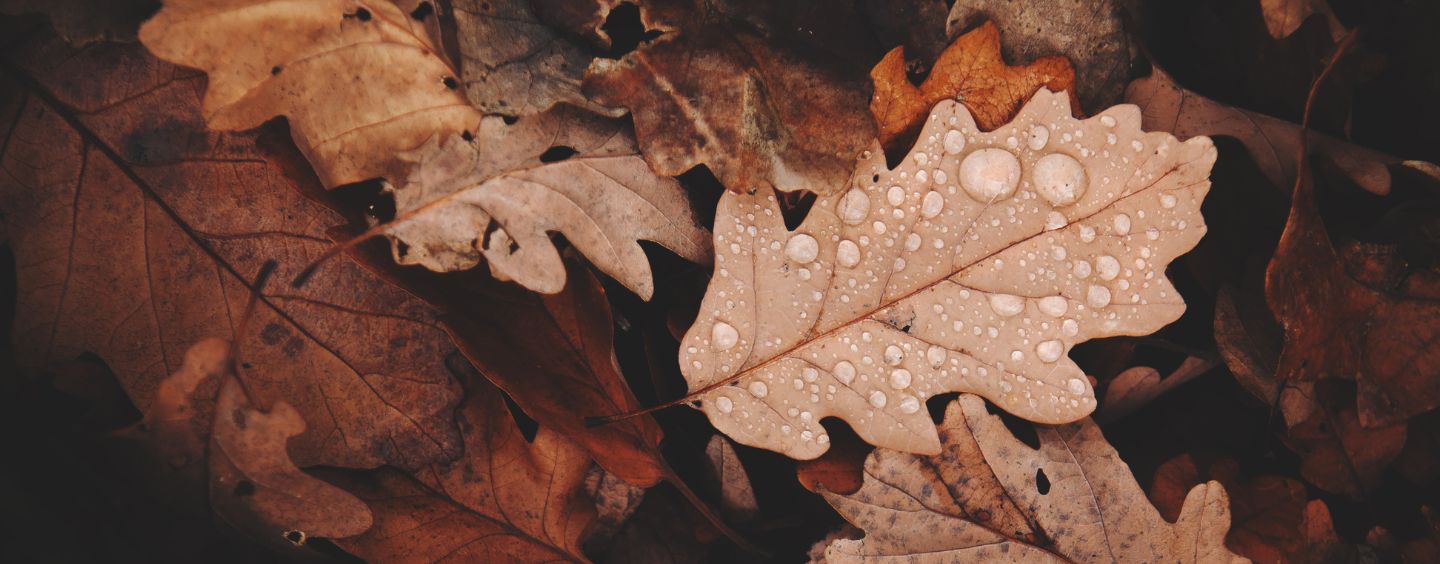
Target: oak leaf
137,232
1140,385
502,194
713,90
1268,512
737,496
1271,142
360,82
987,496
969,70
975,265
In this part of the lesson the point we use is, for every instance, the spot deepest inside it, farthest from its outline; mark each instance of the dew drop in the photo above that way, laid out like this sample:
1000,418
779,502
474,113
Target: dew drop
845,372
895,196
723,335
954,141
1082,269
1108,267
912,242
879,227
909,405
759,389
900,379
724,404
1108,121
1059,178
1039,136
878,399
932,205
1049,351
802,248
1070,328
1087,234
893,355
1054,306
809,374
1122,224
1077,386
1167,201
1097,296
936,355
854,207
1006,305
848,254
1055,220
989,174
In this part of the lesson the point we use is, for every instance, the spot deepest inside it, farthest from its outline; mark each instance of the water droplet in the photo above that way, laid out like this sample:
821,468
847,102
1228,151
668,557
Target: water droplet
940,176
802,248
1087,234
1049,351
878,399
1055,220
1059,178
724,404
799,384
954,141
1017,356
759,389
1070,328
1039,136
723,335
810,374
848,254
1082,269
1108,267
989,174
1122,224
895,196
1167,201
922,158
932,205
845,372
912,242
1077,386
936,355
909,405
1006,305
1054,306
900,379
1137,145
893,355
879,227
1097,296
854,207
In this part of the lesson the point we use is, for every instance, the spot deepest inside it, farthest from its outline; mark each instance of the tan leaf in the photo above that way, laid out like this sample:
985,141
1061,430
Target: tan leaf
1140,385
1268,512
513,64
737,497
501,195
969,70
708,91
989,497
1089,33
973,266
170,427
254,485
1271,142
359,82
1283,17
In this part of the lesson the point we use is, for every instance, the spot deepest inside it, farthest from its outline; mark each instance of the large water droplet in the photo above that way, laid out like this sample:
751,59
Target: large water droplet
990,174
1108,267
893,355
1122,224
1039,136
1097,296
878,399
1049,351
759,389
848,254
1059,178
1006,305
900,379
932,205
844,372
896,195
802,248
954,141
1054,306
723,335
724,404
854,206
909,405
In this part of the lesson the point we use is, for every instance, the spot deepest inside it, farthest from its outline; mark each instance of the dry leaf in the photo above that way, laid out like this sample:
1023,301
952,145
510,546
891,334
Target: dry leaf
502,194
974,266
255,487
513,64
1338,327
1271,142
137,232
1268,513
1283,17
840,470
170,429
1087,32
360,82
989,497
615,501
737,497
82,22
713,92
506,499
1140,385
969,70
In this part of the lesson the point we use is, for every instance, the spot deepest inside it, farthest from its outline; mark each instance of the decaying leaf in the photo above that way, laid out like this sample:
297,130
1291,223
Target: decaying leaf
1283,17
737,497
1338,327
840,470
710,91
170,429
505,500
137,231
255,487
82,22
1139,385
1271,142
987,496
969,70
1268,513
359,81
513,64
502,194
973,266
1087,32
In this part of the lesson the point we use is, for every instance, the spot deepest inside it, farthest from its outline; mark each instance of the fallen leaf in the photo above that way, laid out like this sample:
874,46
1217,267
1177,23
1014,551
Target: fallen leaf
1338,327
716,92
615,501
1283,17
1140,385
973,266
840,470
513,64
137,232
255,487
501,195
359,82
581,18
1271,142
969,70
737,497
171,429
1268,512
988,496
662,531
1089,33
82,22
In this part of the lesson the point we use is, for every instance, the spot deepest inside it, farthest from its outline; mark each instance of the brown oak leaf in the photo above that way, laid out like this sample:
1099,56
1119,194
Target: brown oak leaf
137,232
969,70
974,266
987,496
1268,513
359,81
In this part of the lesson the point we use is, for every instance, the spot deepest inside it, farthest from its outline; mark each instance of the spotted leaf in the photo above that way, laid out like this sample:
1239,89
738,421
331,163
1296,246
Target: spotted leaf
973,266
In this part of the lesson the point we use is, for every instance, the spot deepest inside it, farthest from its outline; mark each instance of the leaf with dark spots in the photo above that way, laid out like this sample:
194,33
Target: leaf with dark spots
134,262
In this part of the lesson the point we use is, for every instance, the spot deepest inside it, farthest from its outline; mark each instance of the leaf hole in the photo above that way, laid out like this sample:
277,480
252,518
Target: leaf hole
794,206
363,15
424,10
626,30
275,70
467,136
450,82
1042,482
557,153
509,120
295,537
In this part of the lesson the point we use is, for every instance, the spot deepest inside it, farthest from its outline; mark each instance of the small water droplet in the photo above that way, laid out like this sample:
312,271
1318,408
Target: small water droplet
893,355
1039,136
1059,178
1108,121
909,405
802,248
1087,234
723,335
1049,351
900,379
895,196
878,399
1167,201
936,355
1077,386
810,374
1082,269
1108,267
759,389
1055,220
1070,328
954,141
879,227
848,254
912,242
